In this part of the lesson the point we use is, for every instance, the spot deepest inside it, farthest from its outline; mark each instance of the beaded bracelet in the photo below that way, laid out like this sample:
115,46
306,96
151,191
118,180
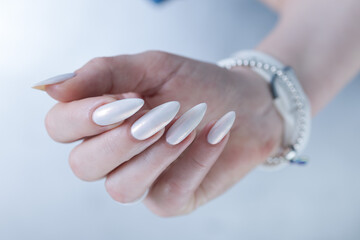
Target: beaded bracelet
289,99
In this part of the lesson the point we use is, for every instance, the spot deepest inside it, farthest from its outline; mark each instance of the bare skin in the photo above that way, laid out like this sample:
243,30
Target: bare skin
190,174
321,41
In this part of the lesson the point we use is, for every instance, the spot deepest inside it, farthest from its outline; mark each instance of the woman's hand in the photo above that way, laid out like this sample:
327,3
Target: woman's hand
180,177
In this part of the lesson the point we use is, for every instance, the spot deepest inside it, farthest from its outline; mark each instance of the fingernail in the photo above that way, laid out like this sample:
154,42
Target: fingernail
117,111
155,120
57,79
221,128
186,124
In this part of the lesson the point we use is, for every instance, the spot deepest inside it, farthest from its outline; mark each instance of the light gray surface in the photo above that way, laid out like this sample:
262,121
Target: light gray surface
41,199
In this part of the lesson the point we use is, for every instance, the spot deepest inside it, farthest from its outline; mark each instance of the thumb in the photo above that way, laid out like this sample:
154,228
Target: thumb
142,73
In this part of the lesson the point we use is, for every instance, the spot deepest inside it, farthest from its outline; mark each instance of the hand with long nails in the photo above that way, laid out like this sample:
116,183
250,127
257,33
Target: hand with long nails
160,124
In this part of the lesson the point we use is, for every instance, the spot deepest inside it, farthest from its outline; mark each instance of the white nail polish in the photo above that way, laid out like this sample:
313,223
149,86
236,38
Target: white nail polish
117,111
186,124
155,120
221,128
57,79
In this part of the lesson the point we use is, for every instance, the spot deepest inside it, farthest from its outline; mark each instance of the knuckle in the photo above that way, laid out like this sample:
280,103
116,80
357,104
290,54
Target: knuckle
51,125
165,214
100,68
167,211
198,164
160,61
173,199
201,196
99,61
103,66
54,122
162,66
116,192
155,54
162,210
78,167
173,188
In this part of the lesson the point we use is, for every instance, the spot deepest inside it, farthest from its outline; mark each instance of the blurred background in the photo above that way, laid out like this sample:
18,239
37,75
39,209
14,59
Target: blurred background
40,198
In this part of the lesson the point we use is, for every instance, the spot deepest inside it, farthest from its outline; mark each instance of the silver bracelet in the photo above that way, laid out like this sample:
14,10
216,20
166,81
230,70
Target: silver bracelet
289,99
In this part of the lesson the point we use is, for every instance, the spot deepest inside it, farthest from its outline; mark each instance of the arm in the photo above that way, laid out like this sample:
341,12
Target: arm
321,41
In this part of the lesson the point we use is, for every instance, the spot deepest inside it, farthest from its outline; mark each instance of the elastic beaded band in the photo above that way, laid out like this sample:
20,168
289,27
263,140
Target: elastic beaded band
289,99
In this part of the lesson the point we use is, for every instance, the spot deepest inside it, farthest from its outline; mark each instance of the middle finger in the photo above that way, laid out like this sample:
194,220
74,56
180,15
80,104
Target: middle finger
97,156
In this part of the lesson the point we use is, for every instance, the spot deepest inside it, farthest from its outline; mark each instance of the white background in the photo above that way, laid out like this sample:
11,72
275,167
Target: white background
41,199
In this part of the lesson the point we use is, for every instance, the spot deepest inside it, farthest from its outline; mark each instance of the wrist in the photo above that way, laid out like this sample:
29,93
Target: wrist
261,110
287,97
294,55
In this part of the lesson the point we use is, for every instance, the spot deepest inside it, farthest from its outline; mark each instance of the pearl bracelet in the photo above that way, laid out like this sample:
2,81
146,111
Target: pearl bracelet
289,99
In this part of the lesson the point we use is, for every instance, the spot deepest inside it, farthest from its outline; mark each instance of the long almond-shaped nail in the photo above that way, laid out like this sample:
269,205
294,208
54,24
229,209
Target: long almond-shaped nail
186,124
154,120
117,111
221,128
57,79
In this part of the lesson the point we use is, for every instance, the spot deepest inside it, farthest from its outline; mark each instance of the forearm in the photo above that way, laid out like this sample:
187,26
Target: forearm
321,41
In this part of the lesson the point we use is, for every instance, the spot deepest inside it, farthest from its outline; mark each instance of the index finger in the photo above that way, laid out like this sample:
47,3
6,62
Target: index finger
142,73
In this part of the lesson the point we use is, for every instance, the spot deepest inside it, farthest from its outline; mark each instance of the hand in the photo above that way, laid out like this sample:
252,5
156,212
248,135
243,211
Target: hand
181,177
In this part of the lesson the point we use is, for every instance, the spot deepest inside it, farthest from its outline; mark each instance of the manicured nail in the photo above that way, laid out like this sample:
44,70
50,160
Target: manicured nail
221,128
186,124
117,111
57,79
155,120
